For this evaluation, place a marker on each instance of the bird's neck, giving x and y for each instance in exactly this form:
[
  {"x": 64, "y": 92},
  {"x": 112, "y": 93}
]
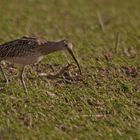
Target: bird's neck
[{"x": 49, "y": 47}]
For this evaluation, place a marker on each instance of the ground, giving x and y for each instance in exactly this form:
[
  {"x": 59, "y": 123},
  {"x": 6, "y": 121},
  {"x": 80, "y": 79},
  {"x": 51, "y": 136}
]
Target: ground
[{"x": 105, "y": 104}]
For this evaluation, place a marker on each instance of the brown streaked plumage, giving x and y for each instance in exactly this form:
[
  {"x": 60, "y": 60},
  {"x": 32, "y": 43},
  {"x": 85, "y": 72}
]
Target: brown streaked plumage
[{"x": 29, "y": 50}]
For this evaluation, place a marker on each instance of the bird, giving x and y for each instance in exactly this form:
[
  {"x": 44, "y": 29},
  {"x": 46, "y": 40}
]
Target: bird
[{"x": 29, "y": 50}]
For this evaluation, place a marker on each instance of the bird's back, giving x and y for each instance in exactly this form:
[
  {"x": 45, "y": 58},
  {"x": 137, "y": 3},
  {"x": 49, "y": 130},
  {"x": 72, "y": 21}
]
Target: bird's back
[{"x": 19, "y": 47}]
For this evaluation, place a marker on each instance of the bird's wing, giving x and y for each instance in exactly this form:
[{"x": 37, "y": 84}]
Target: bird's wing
[{"x": 19, "y": 47}]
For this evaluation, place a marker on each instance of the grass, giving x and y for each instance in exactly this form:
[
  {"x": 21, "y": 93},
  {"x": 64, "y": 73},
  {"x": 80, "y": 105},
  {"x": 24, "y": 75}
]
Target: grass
[{"x": 105, "y": 105}]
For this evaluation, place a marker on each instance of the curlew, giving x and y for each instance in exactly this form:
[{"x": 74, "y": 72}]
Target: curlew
[{"x": 29, "y": 50}]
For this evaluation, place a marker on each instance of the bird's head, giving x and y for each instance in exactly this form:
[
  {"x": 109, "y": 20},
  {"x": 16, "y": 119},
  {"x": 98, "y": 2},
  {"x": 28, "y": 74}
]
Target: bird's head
[{"x": 68, "y": 46}]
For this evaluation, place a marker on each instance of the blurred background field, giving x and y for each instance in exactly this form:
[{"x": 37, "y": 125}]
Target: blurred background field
[{"x": 106, "y": 104}]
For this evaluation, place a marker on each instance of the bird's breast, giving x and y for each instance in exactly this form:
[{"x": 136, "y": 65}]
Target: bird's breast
[{"x": 26, "y": 60}]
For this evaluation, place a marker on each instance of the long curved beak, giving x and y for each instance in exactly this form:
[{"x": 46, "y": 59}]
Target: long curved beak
[{"x": 72, "y": 54}]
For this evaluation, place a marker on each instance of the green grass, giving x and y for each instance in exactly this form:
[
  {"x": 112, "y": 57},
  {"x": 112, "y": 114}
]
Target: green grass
[{"x": 106, "y": 104}]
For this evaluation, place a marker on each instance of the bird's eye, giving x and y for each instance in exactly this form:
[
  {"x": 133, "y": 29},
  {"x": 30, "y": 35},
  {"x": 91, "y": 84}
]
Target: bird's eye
[{"x": 66, "y": 45}]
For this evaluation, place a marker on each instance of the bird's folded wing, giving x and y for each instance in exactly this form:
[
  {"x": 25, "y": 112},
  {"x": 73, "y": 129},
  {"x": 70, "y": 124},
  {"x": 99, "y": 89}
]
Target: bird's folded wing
[{"x": 18, "y": 48}]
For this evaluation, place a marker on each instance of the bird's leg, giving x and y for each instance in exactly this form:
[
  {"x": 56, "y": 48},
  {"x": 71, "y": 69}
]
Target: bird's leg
[
  {"x": 4, "y": 75},
  {"x": 22, "y": 79}
]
